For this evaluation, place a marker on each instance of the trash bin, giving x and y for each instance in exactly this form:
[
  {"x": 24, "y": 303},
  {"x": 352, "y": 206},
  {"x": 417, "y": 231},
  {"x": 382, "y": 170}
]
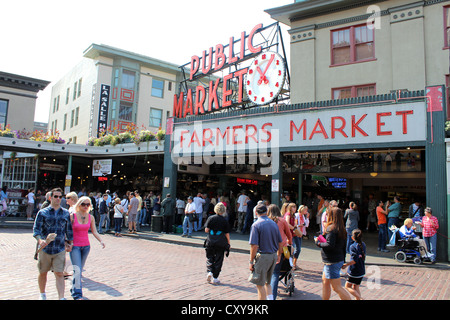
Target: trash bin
[{"x": 157, "y": 223}]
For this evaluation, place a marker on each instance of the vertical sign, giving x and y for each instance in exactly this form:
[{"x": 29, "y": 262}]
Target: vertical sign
[{"x": 103, "y": 111}]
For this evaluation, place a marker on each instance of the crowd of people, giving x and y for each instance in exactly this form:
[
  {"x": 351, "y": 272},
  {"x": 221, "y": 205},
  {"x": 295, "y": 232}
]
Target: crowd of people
[{"x": 273, "y": 231}]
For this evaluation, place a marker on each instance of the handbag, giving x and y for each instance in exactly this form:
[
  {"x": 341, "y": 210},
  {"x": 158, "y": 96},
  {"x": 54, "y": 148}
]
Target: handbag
[
  {"x": 193, "y": 217},
  {"x": 286, "y": 252},
  {"x": 297, "y": 232}
]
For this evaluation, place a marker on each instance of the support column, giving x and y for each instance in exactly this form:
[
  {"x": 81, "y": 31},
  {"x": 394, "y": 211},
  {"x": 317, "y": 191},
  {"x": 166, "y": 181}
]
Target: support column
[
  {"x": 170, "y": 171},
  {"x": 300, "y": 189},
  {"x": 277, "y": 176}
]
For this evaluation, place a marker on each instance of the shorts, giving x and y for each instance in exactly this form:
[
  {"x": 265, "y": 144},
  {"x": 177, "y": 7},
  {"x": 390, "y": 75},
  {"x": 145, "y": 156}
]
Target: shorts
[
  {"x": 55, "y": 262},
  {"x": 263, "y": 268},
  {"x": 354, "y": 280},
  {"x": 132, "y": 217},
  {"x": 332, "y": 271}
]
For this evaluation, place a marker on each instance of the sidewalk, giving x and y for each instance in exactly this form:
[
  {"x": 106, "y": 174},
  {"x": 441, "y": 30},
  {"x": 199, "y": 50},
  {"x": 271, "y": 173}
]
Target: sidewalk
[{"x": 239, "y": 243}]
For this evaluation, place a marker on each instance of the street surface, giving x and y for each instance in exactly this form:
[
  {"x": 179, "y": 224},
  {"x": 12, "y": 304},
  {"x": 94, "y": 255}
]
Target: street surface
[{"x": 133, "y": 268}]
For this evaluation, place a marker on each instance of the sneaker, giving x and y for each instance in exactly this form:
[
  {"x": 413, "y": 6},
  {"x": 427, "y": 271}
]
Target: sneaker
[
  {"x": 42, "y": 296},
  {"x": 384, "y": 250},
  {"x": 184, "y": 235},
  {"x": 215, "y": 281},
  {"x": 209, "y": 277}
]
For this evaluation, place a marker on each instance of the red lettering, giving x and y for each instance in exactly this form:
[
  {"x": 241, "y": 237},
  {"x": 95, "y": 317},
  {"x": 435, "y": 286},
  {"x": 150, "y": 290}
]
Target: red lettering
[
  {"x": 355, "y": 126},
  {"x": 235, "y": 134},
  {"x": 241, "y": 54},
  {"x": 269, "y": 134},
  {"x": 178, "y": 105},
  {"x": 380, "y": 124},
  {"x": 207, "y": 138},
  {"x": 250, "y": 40},
  {"x": 239, "y": 74},
  {"x": 340, "y": 129},
  {"x": 204, "y": 69},
  {"x": 188, "y": 104},
  {"x": 226, "y": 92},
  {"x": 322, "y": 130},
  {"x": 182, "y": 138},
  {"x": 247, "y": 135},
  {"x": 404, "y": 115},
  {"x": 194, "y": 66},
  {"x": 220, "y": 135},
  {"x": 213, "y": 95},
  {"x": 200, "y": 100},
  {"x": 194, "y": 138},
  {"x": 297, "y": 130},
  {"x": 231, "y": 57},
  {"x": 219, "y": 55}
]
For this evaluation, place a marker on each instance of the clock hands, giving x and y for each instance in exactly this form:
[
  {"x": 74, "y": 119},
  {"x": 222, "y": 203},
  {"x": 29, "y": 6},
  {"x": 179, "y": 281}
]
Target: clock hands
[{"x": 263, "y": 74}]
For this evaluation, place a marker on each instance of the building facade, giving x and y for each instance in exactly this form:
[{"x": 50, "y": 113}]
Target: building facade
[{"x": 139, "y": 90}]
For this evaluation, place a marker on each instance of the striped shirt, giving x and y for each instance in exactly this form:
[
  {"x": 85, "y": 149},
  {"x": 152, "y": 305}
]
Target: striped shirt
[{"x": 50, "y": 221}]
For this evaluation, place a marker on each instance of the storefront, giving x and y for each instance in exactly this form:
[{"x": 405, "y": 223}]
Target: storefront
[{"x": 385, "y": 145}]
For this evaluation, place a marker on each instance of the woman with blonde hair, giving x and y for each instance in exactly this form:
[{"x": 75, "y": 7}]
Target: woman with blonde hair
[
  {"x": 82, "y": 221},
  {"x": 71, "y": 199},
  {"x": 289, "y": 216}
]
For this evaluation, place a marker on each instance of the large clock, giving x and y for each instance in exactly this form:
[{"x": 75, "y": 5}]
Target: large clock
[{"x": 265, "y": 78}]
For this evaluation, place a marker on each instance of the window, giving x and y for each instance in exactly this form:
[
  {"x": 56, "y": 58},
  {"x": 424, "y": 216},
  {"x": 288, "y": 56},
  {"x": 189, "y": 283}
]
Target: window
[
  {"x": 447, "y": 26},
  {"x": 65, "y": 122},
  {"x": 155, "y": 117},
  {"x": 125, "y": 111},
  {"x": 354, "y": 91},
  {"x": 79, "y": 87},
  {"x": 352, "y": 44},
  {"x": 67, "y": 95},
  {"x": 157, "y": 88},
  {"x": 3, "y": 113},
  {"x": 72, "y": 118},
  {"x": 128, "y": 79},
  {"x": 75, "y": 90},
  {"x": 77, "y": 113}
]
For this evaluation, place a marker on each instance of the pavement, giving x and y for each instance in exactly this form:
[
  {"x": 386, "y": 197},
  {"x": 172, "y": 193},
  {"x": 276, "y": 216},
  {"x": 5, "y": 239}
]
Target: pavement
[{"x": 239, "y": 243}]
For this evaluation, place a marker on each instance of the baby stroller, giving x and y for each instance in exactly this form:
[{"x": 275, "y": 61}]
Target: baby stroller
[
  {"x": 409, "y": 249},
  {"x": 286, "y": 277}
]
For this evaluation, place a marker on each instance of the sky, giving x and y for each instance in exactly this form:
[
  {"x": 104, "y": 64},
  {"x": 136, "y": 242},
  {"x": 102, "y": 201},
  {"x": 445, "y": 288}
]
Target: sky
[{"x": 45, "y": 39}]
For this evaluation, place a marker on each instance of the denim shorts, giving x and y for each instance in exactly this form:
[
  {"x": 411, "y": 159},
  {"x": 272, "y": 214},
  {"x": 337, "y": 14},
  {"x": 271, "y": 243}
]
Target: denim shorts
[{"x": 332, "y": 271}]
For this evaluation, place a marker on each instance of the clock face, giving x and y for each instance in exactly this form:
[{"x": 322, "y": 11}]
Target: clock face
[{"x": 265, "y": 78}]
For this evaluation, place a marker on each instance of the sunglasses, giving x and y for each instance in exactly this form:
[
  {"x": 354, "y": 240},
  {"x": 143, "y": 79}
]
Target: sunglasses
[
  {"x": 85, "y": 204},
  {"x": 58, "y": 197}
]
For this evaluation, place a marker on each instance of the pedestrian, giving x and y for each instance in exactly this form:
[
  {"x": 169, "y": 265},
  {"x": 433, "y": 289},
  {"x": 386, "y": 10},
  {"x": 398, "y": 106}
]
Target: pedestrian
[
  {"x": 47, "y": 201},
  {"x": 323, "y": 215},
  {"x": 216, "y": 243},
  {"x": 333, "y": 244},
  {"x": 168, "y": 213},
  {"x": 94, "y": 207},
  {"x": 118, "y": 216},
  {"x": 352, "y": 217},
  {"x": 356, "y": 265},
  {"x": 82, "y": 222},
  {"x": 394, "y": 211},
  {"x": 242, "y": 210},
  {"x": 140, "y": 215},
  {"x": 265, "y": 248},
  {"x": 188, "y": 221},
  {"x": 132, "y": 213},
  {"x": 124, "y": 203},
  {"x": 199, "y": 202},
  {"x": 274, "y": 213},
  {"x": 31, "y": 198},
  {"x": 103, "y": 211},
  {"x": 71, "y": 199},
  {"x": 3, "y": 198},
  {"x": 53, "y": 219},
  {"x": 302, "y": 219},
  {"x": 430, "y": 225},
  {"x": 382, "y": 227},
  {"x": 289, "y": 216},
  {"x": 180, "y": 204}
]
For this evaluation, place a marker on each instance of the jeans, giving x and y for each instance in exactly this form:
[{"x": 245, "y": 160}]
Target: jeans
[
  {"x": 198, "y": 223},
  {"x": 102, "y": 219},
  {"x": 78, "y": 257},
  {"x": 297, "y": 244},
  {"x": 391, "y": 221},
  {"x": 382, "y": 236},
  {"x": 349, "y": 240},
  {"x": 187, "y": 224},
  {"x": 431, "y": 246},
  {"x": 118, "y": 225},
  {"x": 143, "y": 217},
  {"x": 275, "y": 277}
]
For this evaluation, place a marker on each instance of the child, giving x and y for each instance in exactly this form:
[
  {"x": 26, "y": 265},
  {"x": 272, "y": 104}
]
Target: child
[{"x": 356, "y": 266}]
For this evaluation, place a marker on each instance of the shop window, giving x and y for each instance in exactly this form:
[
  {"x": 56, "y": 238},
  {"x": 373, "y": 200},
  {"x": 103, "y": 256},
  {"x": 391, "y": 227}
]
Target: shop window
[
  {"x": 3, "y": 112},
  {"x": 125, "y": 111},
  {"x": 128, "y": 79},
  {"x": 155, "y": 117},
  {"x": 157, "y": 88},
  {"x": 353, "y": 92},
  {"x": 353, "y": 44}
]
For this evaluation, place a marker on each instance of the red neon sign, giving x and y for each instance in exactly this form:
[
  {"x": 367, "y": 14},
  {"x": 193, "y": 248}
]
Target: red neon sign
[{"x": 247, "y": 181}]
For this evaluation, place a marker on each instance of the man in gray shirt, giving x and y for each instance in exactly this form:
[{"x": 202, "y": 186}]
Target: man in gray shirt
[
  {"x": 265, "y": 249},
  {"x": 132, "y": 213}
]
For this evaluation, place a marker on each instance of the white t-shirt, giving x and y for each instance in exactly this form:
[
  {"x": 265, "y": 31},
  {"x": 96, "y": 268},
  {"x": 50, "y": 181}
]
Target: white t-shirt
[
  {"x": 199, "y": 204},
  {"x": 190, "y": 207},
  {"x": 117, "y": 209},
  {"x": 242, "y": 201},
  {"x": 30, "y": 197}
]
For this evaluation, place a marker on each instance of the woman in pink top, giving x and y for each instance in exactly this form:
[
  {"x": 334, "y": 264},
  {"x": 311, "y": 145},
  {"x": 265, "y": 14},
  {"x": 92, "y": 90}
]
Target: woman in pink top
[{"x": 82, "y": 221}]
